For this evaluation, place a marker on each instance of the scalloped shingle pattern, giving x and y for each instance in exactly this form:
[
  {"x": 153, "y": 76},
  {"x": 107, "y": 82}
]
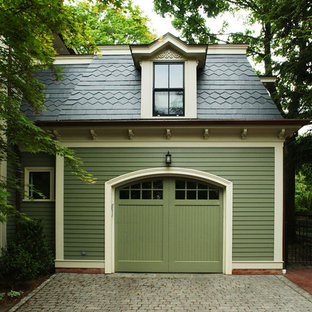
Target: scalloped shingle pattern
[
  {"x": 110, "y": 88},
  {"x": 56, "y": 91},
  {"x": 228, "y": 88}
]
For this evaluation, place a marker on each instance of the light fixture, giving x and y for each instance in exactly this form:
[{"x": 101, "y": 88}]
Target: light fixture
[{"x": 168, "y": 159}]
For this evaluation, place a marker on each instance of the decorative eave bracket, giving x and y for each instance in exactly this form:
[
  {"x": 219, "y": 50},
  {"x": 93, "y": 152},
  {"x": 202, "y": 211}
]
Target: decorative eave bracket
[
  {"x": 206, "y": 134},
  {"x": 282, "y": 134},
  {"x": 244, "y": 133},
  {"x": 168, "y": 134},
  {"x": 56, "y": 134},
  {"x": 93, "y": 134},
  {"x": 130, "y": 134}
]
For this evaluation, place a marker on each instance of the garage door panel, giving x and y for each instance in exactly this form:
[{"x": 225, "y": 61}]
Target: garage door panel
[
  {"x": 196, "y": 235},
  {"x": 141, "y": 236}
]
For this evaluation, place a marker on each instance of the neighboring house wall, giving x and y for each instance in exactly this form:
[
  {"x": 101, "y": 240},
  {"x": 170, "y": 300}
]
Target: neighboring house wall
[
  {"x": 251, "y": 169},
  {"x": 44, "y": 210}
]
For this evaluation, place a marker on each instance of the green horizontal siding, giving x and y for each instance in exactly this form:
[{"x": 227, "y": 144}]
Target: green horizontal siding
[
  {"x": 250, "y": 169},
  {"x": 35, "y": 209}
]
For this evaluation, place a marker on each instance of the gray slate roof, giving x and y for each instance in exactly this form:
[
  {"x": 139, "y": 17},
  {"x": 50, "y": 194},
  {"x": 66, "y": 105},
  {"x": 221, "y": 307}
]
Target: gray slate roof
[
  {"x": 228, "y": 88},
  {"x": 109, "y": 88}
]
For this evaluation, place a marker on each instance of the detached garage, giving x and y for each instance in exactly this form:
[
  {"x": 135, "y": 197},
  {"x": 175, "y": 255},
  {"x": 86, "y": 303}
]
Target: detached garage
[{"x": 187, "y": 150}]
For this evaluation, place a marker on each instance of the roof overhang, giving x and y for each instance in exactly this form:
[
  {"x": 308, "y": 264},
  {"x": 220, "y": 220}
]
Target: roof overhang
[
  {"x": 188, "y": 130},
  {"x": 293, "y": 123},
  {"x": 148, "y": 51}
]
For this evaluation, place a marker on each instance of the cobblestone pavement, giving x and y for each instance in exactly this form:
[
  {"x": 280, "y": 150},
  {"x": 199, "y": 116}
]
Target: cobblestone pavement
[{"x": 175, "y": 292}]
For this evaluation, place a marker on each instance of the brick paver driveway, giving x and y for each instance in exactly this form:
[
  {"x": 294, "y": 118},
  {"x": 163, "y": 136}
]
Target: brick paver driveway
[{"x": 174, "y": 292}]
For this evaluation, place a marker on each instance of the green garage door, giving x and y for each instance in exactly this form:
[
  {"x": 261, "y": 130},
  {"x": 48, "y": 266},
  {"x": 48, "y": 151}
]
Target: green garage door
[{"x": 168, "y": 225}]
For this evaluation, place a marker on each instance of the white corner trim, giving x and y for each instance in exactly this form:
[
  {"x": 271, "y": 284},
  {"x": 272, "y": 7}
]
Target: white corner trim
[
  {"x": 111, "y": 185},
  {"x": 146, "y": 89},
  {"x": 27, "y": 171},
  {"x": 273, "y": 265},
  {"x": 190, "y": 89},
  {"x": 59, "y": 207},
  {"x": 81, "y": 264},
  {"x": 278, "y": 203}
]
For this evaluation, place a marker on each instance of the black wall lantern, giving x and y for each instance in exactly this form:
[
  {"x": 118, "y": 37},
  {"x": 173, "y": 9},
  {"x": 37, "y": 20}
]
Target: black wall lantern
[{"x": 168, "y": 159}]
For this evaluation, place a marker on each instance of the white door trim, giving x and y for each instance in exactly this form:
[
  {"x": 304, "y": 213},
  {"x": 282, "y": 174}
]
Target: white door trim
[{"x": 111, "y": 185}]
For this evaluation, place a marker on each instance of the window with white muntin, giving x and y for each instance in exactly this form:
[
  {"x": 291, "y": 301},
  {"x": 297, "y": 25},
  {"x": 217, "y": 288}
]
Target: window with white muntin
[
  {"x": 39, "y": 183},
  {"x": 172, "y": 94},
  {"x": 168, "y": 89}
]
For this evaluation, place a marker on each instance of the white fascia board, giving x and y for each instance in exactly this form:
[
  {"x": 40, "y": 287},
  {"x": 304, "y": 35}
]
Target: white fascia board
[
  {"x": 227, "y": 49},
  {"x": 73, "y": 59},
  {"x": 114, "y": 50},
  {"x": 140, "y": 52},
  {"x": 265, "y": 79},
  {"x": 164, "y": 41}
]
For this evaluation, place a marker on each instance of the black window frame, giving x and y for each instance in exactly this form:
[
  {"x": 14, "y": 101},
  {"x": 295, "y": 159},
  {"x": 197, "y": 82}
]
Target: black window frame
[
  {"x": 32, "y": 191},
  {"x": 168, "y": 89}
]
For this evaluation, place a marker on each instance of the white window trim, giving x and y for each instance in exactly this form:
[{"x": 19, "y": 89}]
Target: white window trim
[
  {"x": 190, "y": 89},
  {"x": 27, "y": 170}
]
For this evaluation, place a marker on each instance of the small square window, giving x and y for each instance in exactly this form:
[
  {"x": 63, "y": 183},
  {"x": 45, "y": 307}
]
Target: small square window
[{"x": 39, "y": 184}]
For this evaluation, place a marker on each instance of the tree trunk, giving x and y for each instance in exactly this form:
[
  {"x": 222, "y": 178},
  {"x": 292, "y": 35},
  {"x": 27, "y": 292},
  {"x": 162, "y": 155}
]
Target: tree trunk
[{"x": 267, "y": 49}]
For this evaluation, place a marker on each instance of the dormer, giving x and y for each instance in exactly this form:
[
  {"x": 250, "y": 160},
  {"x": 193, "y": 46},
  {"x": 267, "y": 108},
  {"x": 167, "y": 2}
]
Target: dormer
[{"x": 168, "y": 77}]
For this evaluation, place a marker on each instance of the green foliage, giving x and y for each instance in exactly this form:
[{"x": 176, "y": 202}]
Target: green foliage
[
  {"x": 27, "y": 256},
  {"x": 28, "y": 29},
  {"x": 14, "y": 293},
  {"x": 303, "y": 195},
  {"x": 111, "y": 25}
]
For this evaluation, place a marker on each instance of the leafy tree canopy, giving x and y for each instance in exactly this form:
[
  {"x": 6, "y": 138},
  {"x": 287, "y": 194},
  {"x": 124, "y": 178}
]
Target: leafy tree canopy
[
  {"x": 27, "y": 29},
  {"x": 114, "y": 25}
]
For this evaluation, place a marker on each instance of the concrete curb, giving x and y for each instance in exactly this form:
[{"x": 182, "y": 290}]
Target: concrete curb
[
  {"x": 295, "y": 287},
  {"x": 26, "y": 298}
]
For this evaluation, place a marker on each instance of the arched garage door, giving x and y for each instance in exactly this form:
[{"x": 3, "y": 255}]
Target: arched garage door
[{"x": 168, "y": 225}]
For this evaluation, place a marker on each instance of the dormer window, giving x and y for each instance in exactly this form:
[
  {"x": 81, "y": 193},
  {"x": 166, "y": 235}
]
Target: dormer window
[
  {"x": 168, "y": 91},
  {"x": 169, "y": 77}
]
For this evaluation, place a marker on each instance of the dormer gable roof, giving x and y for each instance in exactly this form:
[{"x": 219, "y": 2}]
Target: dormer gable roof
[{"x": 168, "y": 41}]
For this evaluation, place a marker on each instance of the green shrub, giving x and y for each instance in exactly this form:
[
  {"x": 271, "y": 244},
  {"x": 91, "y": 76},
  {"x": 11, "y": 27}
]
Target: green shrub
[
  {"x": 27, "y": 256},
  {"x": 17, "y": 264},
  {"x": 31, "y": 236}
]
